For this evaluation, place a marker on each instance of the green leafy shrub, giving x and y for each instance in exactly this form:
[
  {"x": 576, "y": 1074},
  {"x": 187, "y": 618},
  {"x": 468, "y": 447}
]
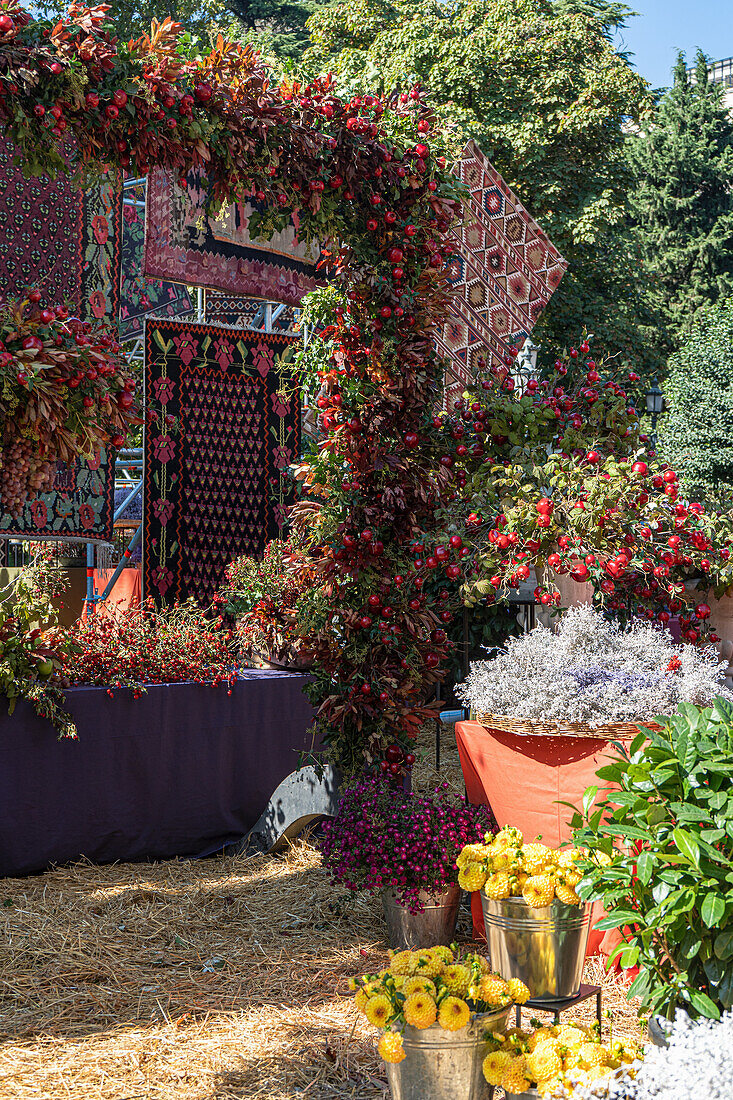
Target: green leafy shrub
[{"x": 669, "y": 834}]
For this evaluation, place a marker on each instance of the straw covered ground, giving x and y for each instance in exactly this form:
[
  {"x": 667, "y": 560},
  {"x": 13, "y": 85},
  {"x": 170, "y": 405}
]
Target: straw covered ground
[{"x": 216, "y": 979}]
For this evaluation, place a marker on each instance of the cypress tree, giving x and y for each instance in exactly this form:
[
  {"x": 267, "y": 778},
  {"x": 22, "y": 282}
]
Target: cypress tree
[{"x": 683, "y": 200}]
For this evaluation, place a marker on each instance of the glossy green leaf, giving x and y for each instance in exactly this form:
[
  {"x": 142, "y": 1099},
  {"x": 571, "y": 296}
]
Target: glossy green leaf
[
  {"x": 702, "y": 1004},
  {"x": 645, "y": 865},
  {"x": 724, "y": 944},
  {"x": 687, "y": 845},
  {"x": 712, "y": 909}
]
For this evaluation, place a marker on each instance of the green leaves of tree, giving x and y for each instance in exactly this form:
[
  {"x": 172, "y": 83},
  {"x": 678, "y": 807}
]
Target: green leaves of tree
[{"x": 542, "y": 90}]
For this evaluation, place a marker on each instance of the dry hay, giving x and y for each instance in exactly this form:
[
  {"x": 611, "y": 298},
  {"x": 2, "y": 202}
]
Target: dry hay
[
  {"x": 189, "y": 979},
  {"x": 216, "y": 979}
]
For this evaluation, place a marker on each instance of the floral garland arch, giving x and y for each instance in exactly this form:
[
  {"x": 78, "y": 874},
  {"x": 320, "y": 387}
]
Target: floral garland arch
[
  {"x": 388, "y": 487},
  {"x": 368, "y": 178}
]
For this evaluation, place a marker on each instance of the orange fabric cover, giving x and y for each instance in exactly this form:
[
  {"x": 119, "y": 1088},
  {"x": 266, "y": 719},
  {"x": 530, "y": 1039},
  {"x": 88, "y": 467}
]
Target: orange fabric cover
[
  {"x": 127, "y": 591},
  {"x": 522, "y": 779}
]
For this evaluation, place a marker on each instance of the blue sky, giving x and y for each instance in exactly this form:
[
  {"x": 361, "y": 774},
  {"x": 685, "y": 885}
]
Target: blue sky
[{"x": 664, "y": 26}]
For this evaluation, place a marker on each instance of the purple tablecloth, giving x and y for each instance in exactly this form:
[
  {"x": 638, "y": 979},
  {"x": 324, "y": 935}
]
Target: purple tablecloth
[{"x": 181, "y": 771}]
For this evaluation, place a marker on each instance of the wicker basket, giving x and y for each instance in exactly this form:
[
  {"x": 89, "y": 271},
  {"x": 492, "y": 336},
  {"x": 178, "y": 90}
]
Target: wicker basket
[{"x": 533, "y": 727}]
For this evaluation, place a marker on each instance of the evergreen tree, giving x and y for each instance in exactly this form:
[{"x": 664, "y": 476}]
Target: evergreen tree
[
  {"x": 696, "y": 434},
  {"x": 682, "y": 202}
]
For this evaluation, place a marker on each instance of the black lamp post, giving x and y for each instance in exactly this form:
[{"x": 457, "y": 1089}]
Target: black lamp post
[{"x": 654, "y": 406}]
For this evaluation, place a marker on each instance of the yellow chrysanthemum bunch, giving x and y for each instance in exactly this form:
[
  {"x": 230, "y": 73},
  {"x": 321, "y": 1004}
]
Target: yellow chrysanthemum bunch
[
  {"x": 550, "y": 1057},
  {"x": 506, "y": 867},
  {"x": 433, "y": 985}
]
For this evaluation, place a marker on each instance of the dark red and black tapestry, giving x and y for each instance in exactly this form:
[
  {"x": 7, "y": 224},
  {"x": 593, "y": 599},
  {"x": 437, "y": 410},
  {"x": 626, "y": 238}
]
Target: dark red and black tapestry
[
  {"x": 226, "y": 427},
  {"x": 60, "y": 239},
  {"x": 184, "y": 244}
]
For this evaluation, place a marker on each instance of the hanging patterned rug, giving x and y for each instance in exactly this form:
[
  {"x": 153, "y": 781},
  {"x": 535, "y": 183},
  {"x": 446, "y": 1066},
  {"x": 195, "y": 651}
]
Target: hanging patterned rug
[
  {"x": 183, "y": 244},
  {"x": 65, "y": 241},
  {"x": 226, "y": 426},
  {"x": 504, "y": 274},
  {"x": 79, "y": 506},
  {"x": 141, "y": 296}
]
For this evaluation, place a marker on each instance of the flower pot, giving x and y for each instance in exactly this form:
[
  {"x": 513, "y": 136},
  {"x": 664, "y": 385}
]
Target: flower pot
[
  {"x": 435, "y": 924},
  {"x": 573, "y": 593},
  {"x": 544, "y": 947},
  {"x": 445, "y": 1065}
]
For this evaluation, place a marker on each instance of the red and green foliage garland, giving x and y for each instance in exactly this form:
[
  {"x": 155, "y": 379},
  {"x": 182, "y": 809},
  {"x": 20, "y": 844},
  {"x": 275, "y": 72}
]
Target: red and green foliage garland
[
  {"x": 369, "y": 182},
  {"x": 136, "y": 647}
]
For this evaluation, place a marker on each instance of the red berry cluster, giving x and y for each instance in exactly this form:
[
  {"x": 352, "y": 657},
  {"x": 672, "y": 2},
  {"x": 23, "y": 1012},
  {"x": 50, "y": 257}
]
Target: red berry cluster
[
  {"x": 140, "y": 646},
  {"x": 588, "y": 506},
  {"x": 397, "y": 762}
]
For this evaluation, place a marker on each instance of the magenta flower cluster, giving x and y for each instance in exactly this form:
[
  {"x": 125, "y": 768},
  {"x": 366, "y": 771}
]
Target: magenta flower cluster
[{"x": 382, "y": 837}]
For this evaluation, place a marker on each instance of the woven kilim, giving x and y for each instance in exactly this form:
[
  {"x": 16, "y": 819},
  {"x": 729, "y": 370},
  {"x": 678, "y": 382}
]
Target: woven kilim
[
  {"x": 64, "y": 241},
  {"x": 100, "y": 251},
  {"x": 79, "y": 506},
  {"x": 503, "y": 276},
  {"x": 226, "y": 428},
  {"x": 228, "y": 309},
  {"x": 183, "y": 244},
  {"x": 141, "y": 296}
]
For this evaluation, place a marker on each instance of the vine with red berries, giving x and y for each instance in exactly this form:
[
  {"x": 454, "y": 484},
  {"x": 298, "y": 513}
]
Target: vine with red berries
[
  {"x": 65, "y": 390},
  {"x": 571, "y": 488},
  {"x": 369, "y": 182}
]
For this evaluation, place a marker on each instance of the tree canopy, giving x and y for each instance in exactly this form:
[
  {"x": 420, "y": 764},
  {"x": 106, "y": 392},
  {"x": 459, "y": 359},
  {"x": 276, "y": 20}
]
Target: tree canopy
[
  {"x": 682, "y": 201},
  {"x": 546, "y": 96},
  {"x": 276, "y": 27}
]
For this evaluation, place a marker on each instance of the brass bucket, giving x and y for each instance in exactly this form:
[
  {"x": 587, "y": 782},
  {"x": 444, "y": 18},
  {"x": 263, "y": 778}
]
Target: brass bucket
[
  {"x": 445, "y": 1065},
  {"x": 434, "y": 925},
  {"x": 544, "y": 947}
]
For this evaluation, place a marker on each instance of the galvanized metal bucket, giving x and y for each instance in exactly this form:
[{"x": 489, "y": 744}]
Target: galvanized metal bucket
[
  {"x": 528, "y": 1094},
  {"x": 435, "y": 924},
  {"x": 544, "y": 947},
  {"x": 445, "y": 1065}
]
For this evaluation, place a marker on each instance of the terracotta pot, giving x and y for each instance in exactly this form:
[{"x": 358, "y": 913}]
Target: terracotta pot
[{"x": 572, "y": 593}]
